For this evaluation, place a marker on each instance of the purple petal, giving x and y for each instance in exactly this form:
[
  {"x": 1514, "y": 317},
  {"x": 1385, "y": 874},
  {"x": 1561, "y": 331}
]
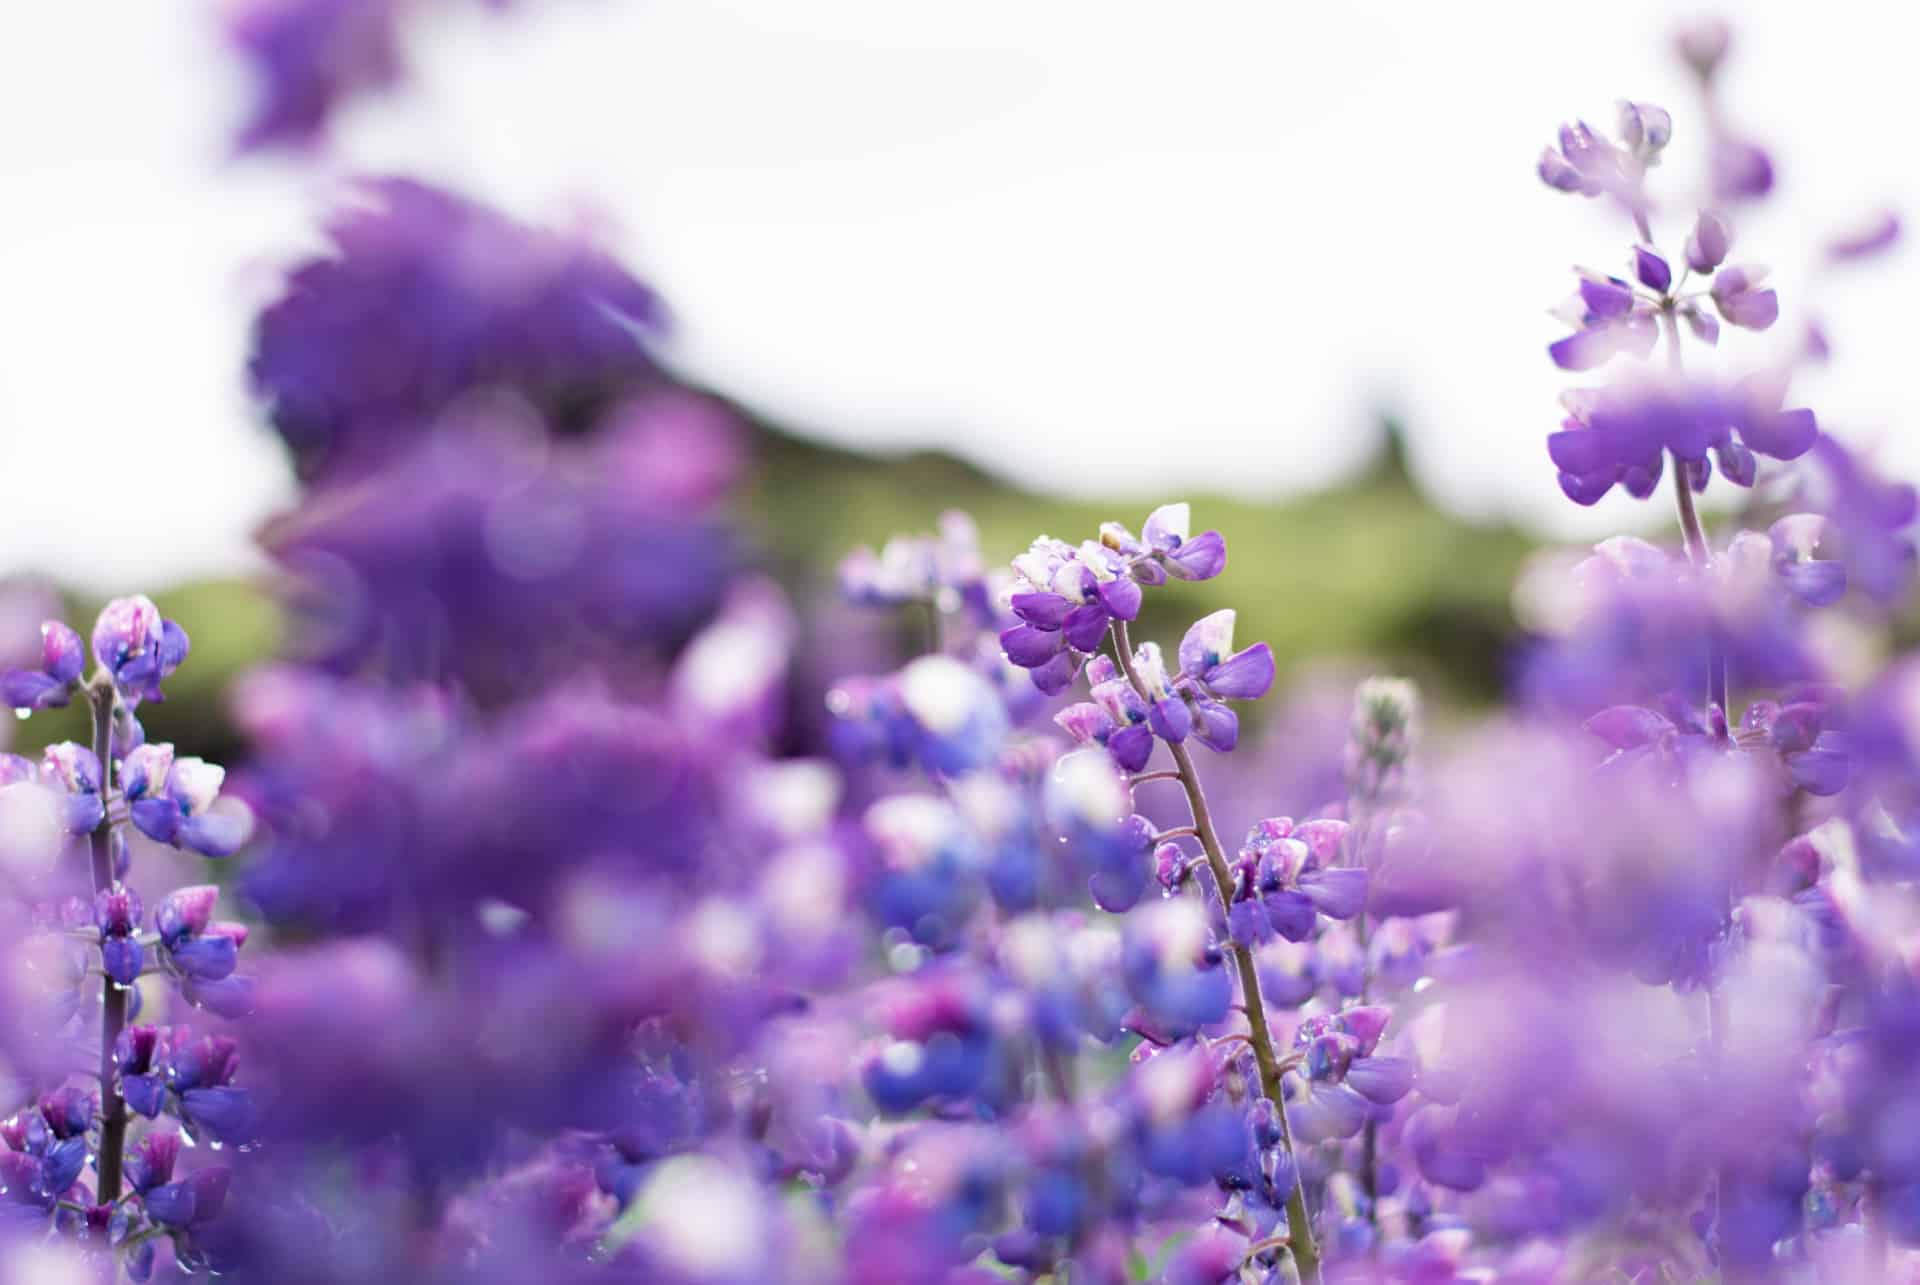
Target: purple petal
[
  {"x": 1323, "y": 838},
  {"x": 1784, "y": 435},
  {"x": 1821, "y": 770},
  {"x": 1215, "y": 726},
  {"x": 1131, "y": 746},
  {"x": 1291, "y": 914},
  {"x": 156, "y": 817},
  {"x": 214, "y": 834},
  {"x": 1338, "y": 893},
  {"x": 1046, "y": 610},
  {"x": 1652, "y": 270},
  {"x": 1382, "y": 1080},
  {"x": 1201, "y": 558},
  {"x": 226, "y": 1113},
  {"x": 206, "y": 959},
  {"x": 121, "y": 957},
  {"x": 1057, "y": 674},
  {"x": 1122, "y": 597},
  {"x": 1170, "y": 719},
  {"x": 1246, "y": 675},
  {"x": 1030, "y": 647},
  {"x": 1752, "y": 309},
  {"x": 1709, "y": 242},
  {"x": 1086, "y": 626},
  {"x": 31, "y": 689},
  {"x": 1869, "y": 240}
]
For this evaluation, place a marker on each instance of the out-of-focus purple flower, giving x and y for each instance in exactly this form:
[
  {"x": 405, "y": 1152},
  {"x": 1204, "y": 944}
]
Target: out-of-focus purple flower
[
  {"x": 1586, "y": 162},
  {"x": 1172, "y": 967},
  {"x": 945, "y": 570},
  {"x": 1873, "y": 237},
  {"x": 308, "y": 56},
  {"x": 1742, "y": 170},
  {"x": 140, "y": 649},
  {"x": 1869, "y": 520},
  {"x": 1741, "y": 301},
  {"x": 62, "y": 656},
  {"x": 429, "y": 296},
  {"x": 1621, "y": 435},
  {"x": 1708, "y": 242}
]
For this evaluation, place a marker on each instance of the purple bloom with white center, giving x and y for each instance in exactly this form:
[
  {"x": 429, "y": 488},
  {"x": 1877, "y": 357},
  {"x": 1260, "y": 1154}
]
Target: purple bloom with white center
[
  {"x": 1214, "y": 673},
  {"x": 133, "y": 643},
  {"x": 173, "y": 801}
]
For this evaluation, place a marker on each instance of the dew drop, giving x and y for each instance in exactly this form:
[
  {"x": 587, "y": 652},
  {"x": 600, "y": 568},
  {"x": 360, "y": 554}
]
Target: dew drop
[{"x": 216, "y": 1144}]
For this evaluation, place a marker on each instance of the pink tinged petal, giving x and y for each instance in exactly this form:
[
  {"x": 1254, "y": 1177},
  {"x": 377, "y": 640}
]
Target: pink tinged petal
[
  {"x": 145, "y": 769},
  {"x": 1208, "y": 641},
  {"x": 1085, "y": 722},
  {"x": 1121, "y": 596},
  {"x": 1245, "y": 676},
  {"x": 1042, "y": 610},
  {"x": 1381, "y": 1080},
  {"x": 1868, "y": 240},
  {"x": 1201, "y": 558},
  {"x": 1323, "y": 837},
  {"x": 1366, "y": 1024},
  {"x": 1029, "y": 647},
  {"x": 62, "y": 654},
  {"x": 1651, "y": 269},
  {"x": 194, "y": 784},
  {"x": 1627, "y": 727}
]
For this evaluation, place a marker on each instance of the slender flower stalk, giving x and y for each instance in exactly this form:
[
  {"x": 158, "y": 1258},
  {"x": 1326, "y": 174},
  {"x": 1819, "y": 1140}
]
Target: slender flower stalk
[
  {"x": 1306, "y": 1254},
  {"x": 101, "y": 696}
]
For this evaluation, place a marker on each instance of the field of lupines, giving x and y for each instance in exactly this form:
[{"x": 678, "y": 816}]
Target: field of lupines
[{"x": 558, "y": 923}]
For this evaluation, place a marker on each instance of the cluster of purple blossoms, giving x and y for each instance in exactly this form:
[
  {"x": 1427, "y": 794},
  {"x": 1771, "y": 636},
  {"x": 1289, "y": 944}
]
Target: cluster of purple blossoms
[{"x": 571, "y": 957}]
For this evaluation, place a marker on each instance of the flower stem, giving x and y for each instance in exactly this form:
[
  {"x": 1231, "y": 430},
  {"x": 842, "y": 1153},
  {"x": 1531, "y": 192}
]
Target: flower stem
[
  {"x": 1695, "y": 535},
  {"x": 1306, "y": 1254},
  {"x": 113, "y": 1108}
]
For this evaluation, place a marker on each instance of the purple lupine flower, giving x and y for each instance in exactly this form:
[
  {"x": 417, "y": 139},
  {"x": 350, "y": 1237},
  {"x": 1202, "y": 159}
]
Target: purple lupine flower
[
  {"x": 62, "y": 656},
  {"x": 463, "y": 299},
  {"x": 1609, "y": 319},
  {"x": 173, "y": 800},
  {"x": 151, "y": 1163},
  {"x": 308, "y": 56},
  {"x": 75, "y": 769},
  {"x": 946, "y": 570},
  {"x": 1586, "y": 162},
  {"x": 116, "y": 912},
  {"x": 1651, "y": 270},
  {"x": 133, "y": 643},
  {"x": 1740, "y": 300},
  {"x": 1212, "y": 673},
  {"x": 1621, "y": 435},
  {"x": 1868, "y": 518},
  {"x": 1645, "y": 130},
  {"x": 1172, "y": 967},
  {"x": 198, "y": 947}
]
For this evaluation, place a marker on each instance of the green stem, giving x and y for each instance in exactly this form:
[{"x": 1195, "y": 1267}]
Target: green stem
[{"x": 1306, "y": 1254}]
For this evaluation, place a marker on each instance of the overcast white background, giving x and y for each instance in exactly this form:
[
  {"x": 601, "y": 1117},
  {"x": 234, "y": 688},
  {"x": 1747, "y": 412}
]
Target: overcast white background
[{"x": 1096, "y": 245}]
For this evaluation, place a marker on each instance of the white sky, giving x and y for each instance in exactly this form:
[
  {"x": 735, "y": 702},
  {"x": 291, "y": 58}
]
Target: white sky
[{"x": 1097, "y": 244}]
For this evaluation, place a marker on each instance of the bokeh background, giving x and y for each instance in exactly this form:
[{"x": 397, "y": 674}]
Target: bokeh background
[{"x": 1050, "y": 263}]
